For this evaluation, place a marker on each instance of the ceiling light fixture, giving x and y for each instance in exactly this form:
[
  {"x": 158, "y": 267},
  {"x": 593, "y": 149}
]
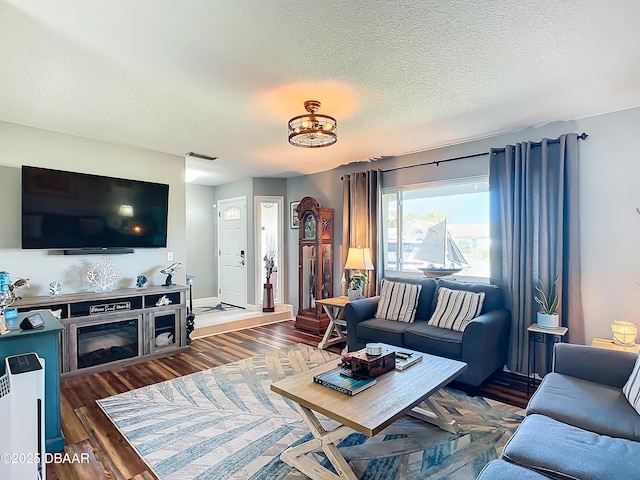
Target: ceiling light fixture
[{"x": 312, "y": 130}]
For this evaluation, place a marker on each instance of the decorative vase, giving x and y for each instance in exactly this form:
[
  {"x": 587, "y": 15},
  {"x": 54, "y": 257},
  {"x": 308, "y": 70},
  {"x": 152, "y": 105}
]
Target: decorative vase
[
  {"x": 354, "y": 294},
  {"x": 267, "y": 298},
  {"x": 546, "y": 320}
]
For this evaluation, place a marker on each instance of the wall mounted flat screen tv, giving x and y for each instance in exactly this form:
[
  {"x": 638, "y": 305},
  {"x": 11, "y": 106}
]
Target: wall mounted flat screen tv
[{"x": 67, "y": 210}]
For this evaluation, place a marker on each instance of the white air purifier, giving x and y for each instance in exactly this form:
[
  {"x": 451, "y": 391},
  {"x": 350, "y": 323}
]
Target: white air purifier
[{"x": 22, "y": 443}]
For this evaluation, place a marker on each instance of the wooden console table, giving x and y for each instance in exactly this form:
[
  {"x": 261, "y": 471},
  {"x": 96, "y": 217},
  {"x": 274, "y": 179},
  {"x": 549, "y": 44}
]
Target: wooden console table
[
  {"x": 103, "y": 330},
  {"x": 611, "y": 345}
]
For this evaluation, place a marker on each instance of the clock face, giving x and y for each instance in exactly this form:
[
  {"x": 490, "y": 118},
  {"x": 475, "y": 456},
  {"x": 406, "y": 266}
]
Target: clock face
[{"x": 309, "y": 227}]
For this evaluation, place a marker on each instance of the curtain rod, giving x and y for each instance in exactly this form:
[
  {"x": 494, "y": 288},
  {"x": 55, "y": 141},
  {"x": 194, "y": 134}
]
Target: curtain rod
[
  {"x": 437, "y": 162},
  {"x": 582, "y": 136}
]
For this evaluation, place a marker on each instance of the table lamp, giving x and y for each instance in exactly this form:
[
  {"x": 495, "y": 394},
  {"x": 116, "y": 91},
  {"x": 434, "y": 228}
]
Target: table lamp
[
  {"x": 624, "y": 333},
  {"x": 359, "y": 259}
]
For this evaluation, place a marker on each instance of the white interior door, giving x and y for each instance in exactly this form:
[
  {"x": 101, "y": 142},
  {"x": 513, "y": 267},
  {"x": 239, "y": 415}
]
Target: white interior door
[{"x": 232, "y": 245}]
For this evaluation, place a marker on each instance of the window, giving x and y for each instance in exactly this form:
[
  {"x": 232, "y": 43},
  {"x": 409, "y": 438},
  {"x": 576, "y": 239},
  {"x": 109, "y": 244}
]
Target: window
[
  {"x": 437, "y": 225},
  {"x": 232, "y": 213}
]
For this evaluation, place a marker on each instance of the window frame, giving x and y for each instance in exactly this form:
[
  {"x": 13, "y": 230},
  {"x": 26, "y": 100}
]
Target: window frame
[{"x": 397, "y": 190}]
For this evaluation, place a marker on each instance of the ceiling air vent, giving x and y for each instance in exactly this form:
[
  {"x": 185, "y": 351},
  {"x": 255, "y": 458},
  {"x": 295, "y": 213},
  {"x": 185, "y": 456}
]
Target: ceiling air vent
[{"x": 199, "y": 155}]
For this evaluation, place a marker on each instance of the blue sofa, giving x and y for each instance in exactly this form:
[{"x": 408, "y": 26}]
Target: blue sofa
[
  {"x": 578, "y": 424},
  {"x": 482, "y": 346}
]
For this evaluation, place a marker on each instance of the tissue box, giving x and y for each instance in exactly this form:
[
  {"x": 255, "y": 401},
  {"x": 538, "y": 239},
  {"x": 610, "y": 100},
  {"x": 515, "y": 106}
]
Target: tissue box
[{"x": 373, "y": 365}]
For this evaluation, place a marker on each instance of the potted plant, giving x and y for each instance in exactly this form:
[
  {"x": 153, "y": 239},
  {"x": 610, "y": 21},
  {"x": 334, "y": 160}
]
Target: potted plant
[
  {"x": 548, "y": 316},
  {"x": 354, "y": 285},
  {"x": 270, "y": 267}
]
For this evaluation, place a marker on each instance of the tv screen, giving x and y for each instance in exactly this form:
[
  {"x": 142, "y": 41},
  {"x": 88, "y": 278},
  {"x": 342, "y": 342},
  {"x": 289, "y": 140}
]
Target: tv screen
[{"x": 66, "y": 210}]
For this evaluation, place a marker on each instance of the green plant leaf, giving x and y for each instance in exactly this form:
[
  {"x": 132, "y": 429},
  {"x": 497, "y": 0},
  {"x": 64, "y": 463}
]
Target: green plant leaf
[
  {"x": 549, "y": 302},
  {"x": 554, "y": 305}
]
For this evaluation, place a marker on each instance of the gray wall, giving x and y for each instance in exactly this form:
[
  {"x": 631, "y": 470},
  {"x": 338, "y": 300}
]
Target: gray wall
[
  {"x": 270, "y": 186},
  {"x": 610, "y": 225},
  {"x": 20, "y": 145},
  {"x": 201, "y": 240}
]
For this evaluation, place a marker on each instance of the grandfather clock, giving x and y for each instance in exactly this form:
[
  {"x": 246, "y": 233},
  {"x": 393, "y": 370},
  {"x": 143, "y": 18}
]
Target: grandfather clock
[{"x": 315, "y": 264}]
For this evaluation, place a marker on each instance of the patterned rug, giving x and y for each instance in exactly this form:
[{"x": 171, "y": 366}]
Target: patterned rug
[
  {"x": 225, "y": 423},
  {"x": 220, "y": 307}
]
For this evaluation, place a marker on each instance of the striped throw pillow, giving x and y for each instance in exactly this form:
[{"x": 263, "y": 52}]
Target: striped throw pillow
[
  {"x": 456, "y": 308},
  {"x": 398, "y": 301},
  {"x": 631, "y": 389}
]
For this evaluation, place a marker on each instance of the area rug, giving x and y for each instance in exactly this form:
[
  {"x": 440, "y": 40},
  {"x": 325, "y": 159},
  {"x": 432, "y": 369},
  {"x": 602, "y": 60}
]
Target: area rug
[
  {"x": 220, "y": 307},
  {"x": 225, "y": 423}
]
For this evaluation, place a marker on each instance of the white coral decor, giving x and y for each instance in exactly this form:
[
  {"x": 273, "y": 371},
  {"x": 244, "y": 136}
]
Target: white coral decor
[
  {"x": 102, "y": 275},
  {"x": 55, "y": 288}
]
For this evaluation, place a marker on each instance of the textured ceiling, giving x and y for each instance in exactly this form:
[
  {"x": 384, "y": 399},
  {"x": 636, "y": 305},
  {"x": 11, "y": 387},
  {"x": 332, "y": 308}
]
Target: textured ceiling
[{"x": 222, "y": 78}]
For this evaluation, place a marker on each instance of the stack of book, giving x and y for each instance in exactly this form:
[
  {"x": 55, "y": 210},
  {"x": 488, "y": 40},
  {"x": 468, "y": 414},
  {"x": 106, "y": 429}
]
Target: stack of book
[{"x": 344, "y": 381}]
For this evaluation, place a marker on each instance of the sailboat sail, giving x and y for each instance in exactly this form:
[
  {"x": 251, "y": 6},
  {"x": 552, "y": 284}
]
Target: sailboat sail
[
  {"x": 433, "y": 246},
  {"x": 454, "y": 252},
  {"x": 441, "y": 253}
]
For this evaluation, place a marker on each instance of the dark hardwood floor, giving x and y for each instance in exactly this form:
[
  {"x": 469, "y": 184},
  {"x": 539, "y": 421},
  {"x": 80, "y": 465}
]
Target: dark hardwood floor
[{"x": 88, "y": 431}]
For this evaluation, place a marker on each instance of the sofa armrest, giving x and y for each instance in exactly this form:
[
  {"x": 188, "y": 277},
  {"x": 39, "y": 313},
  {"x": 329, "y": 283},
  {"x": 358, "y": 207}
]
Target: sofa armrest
[
  {"x": 354, "y": 313},
  {"x": 485, "y": 344},
  {"x": 607, "y": 367}
]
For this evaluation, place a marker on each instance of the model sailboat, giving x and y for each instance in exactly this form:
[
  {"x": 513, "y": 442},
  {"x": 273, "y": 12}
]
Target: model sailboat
[{"x": 440, "y": 252}]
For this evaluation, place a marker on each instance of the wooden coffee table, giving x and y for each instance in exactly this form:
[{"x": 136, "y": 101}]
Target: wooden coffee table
[{"x": 396, "y": 393}]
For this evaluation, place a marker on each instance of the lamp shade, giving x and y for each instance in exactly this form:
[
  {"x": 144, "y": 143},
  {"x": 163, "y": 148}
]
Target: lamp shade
[
  {"x": 359, "y": 259},
  {"x": 624, "y": 333},
  {"x": 126, "y": 211}
]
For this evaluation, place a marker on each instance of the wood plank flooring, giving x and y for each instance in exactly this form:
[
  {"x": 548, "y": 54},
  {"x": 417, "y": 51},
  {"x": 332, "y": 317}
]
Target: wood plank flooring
[{"x": 88, "y": 431}]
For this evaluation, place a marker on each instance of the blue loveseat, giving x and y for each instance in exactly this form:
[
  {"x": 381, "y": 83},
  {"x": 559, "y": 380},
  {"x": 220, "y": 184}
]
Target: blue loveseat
[
  {"x": 482, "y": 346},
  {"x": 578, "y": 425}
]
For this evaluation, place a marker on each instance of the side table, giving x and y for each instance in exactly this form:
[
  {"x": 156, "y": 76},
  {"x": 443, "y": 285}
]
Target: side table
[
  {"x": 45, "y": 342},
  {"x": 538, "y": 334},
  {"x": 333, "y": 308},
  {"x": 611, "y": 345}
]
